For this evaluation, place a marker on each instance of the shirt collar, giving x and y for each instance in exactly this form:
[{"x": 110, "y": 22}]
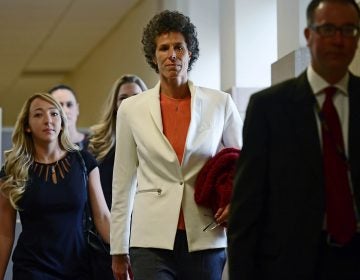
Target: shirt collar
[{"x": 318, "y": 84}]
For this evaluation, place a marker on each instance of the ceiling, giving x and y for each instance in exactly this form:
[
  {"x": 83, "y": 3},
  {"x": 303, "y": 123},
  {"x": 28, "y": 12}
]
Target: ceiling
[{"x": 43, "y": 40}]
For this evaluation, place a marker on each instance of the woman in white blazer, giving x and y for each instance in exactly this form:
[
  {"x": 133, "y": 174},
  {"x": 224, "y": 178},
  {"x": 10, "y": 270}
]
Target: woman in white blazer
[{"x": 163, "y": 139}]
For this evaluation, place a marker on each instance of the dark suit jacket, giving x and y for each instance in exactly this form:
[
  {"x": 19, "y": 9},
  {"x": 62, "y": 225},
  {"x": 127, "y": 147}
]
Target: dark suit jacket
[{"x": 278, "y": 205}]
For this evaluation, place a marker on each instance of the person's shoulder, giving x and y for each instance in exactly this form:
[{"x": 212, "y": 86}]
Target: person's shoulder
[
  {"x": 198, "y": 88},
  {"x": 88, "y": 158},
  {"x": 354, "y": 79},
  {"x": 281, "y": 90},
  {"x": 85, "y": 153},
  {"x": 353, "y": 87},
  {"x": 284, "y": 86},
  {"x": 210, "y": 93},
  {"x": 281, "y": 94}
]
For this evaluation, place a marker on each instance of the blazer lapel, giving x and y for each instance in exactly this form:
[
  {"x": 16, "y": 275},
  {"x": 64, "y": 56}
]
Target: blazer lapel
[
  {"x": 154, "y": 107},
  {"x": 155, "y": 112},
  {"x": 196, "y": 113}
]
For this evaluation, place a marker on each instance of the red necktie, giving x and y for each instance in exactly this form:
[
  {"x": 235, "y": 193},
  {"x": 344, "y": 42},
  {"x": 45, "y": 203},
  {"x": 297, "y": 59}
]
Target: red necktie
[{"x": 341, "y": 221}]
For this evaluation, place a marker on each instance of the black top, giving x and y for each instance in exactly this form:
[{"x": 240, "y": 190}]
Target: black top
[
  {"x": 52, "y": 243},
  {"x": 106, "y": 167}
]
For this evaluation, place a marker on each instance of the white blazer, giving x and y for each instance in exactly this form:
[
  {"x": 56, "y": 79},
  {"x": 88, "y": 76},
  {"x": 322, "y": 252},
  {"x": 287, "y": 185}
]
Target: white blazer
[{"x": 152, "y": 204}]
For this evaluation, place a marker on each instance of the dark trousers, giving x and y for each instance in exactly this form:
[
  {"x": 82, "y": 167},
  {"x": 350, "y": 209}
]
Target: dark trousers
[
  {"x": 179, "y": 264},
  {"x": 339, "y": 262}
]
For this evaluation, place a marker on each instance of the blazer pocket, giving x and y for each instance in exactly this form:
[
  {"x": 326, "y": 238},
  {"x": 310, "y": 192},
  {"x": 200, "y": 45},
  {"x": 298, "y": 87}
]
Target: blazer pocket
[{"x": 157, "y": 191}]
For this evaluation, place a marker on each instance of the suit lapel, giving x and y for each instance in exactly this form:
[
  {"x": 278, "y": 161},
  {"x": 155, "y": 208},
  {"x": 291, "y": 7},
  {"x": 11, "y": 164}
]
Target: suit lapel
[
  {"x": 354, "y": 135},
  {"x": 354, "y": 118},
  {"x": 305, "y": 124}
]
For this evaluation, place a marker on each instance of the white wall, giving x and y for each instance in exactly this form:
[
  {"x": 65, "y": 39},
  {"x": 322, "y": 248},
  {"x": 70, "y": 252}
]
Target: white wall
[
  {"x": 256, "y": 43},
  {"x": 291, "y": 21},
  {"x": 248, "y": 42}
]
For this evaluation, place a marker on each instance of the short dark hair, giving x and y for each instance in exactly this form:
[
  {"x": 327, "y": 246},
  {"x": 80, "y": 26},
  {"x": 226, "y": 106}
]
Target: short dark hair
[
  {"x": 165, "y": 22},
  {"x": 62, "y": 86},
  {"x": 315, "y": 3}
]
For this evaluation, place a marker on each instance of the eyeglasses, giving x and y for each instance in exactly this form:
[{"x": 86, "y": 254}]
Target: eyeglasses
[{"x": 329, "y": 30}]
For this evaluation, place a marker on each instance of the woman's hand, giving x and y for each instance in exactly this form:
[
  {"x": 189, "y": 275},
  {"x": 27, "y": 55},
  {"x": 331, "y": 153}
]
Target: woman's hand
[
  {"x": 222, "y": 214},
  {"x": 121, "y": 267}
]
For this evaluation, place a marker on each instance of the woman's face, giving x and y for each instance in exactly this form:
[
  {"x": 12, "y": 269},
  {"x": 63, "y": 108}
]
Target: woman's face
[
  {"x": 127, "y": 90},
  {"x": 69, "y": 104},
  {"x": 172, "y": 56},
  {"x": 44, "y": 121}
]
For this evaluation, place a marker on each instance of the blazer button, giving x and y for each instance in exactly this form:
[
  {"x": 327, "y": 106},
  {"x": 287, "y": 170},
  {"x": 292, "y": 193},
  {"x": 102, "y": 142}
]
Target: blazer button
[{"x": 181, "y": 183}]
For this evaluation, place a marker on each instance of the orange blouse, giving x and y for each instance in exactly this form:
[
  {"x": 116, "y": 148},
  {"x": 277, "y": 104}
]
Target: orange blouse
[{"x": 176, "y": 115}]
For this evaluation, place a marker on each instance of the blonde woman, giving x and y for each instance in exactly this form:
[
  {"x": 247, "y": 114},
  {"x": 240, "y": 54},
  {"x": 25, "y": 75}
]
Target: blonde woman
[
  {"x": 42, "y": 178},
  {"x": 102, "y": 146},
  {"x": 102, "y": 139}
]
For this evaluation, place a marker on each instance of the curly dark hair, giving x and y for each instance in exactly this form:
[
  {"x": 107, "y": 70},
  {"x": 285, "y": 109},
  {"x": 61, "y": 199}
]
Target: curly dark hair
[{"x": 165, "y": 22}]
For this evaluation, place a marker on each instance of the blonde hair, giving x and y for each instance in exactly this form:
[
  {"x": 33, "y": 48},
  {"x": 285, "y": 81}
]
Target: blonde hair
[
  {"x": 103, "y": 134},
  {"x": 19, "y": 159}
]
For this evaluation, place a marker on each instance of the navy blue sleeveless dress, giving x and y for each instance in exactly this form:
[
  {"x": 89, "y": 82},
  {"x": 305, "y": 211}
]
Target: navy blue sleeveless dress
[{"x": 51, "y": 245}]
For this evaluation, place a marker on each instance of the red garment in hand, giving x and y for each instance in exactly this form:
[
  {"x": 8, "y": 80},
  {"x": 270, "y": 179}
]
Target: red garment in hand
[{"x": 214, "y": 183}]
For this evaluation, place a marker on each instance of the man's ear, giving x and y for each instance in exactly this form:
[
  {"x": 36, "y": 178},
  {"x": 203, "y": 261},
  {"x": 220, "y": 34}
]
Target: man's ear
[{"x": 307, "y": 34}]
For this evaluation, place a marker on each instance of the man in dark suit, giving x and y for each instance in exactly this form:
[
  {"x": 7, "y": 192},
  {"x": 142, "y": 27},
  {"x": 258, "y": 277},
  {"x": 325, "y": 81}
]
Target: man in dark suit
[{"x": 283, "y": 223}]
